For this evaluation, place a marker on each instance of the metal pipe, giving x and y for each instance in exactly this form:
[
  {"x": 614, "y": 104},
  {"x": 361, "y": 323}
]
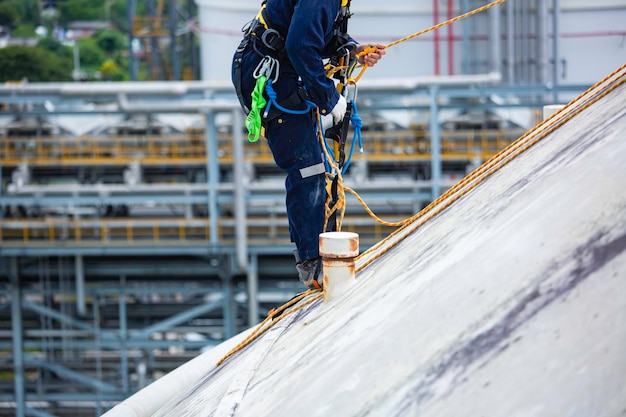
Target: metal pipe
[
  {"x": 240, "y": 183},
  {"x": 338, "y": 250},
  {"x": 413, "y": 83},
  {"x": 556, "y": 14},
  {"x": 466, "y": 38},
  {"x": 79, "y": 267},
  {"x": 1, "y": 188},
  {"x": 18, "y": 348},
  {"x": 542, "y": 39},
  {"x": 449, "y": 16},
  {"x": 253, "y": 290},
  {"x": 495, "y": 39},
  {"x": 213, "y": 174},
  {"x": 525, "y": 38},
  {"x": 123, "y": 335},
  {"x": 519, "y": 36},
  {"x": 112, "y": 89},
  {"x": 228, "y": 301},
  {"x": 436, "y": 36},
  {"x": 435, "y": 143},
  {"x": 181, "y": 106},
  {"x": 510, "y": 39},
  {"x": 122, "y": 90}
]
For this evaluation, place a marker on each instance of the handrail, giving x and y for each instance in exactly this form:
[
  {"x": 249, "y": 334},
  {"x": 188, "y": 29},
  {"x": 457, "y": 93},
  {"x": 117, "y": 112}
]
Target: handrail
[
  {"x": 264, "y": 230},
  {"x": 190, "y": 149}
]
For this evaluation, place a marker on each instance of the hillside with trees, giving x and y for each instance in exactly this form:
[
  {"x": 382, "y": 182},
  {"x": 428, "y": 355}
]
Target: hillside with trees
[{"x": 40, "y": 44}]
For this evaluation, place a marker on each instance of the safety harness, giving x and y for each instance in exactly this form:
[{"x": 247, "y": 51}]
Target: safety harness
[
  {"x": 261, "y": 35},
  {"x": 264, "y": 106},
  {"x": 264, "y": 38}
]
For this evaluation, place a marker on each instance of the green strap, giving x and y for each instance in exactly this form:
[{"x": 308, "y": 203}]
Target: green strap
[{"x": 253, "y": 121}]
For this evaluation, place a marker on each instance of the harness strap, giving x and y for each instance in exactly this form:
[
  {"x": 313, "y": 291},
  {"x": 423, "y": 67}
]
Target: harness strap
[{"x": 237, "y": 76}]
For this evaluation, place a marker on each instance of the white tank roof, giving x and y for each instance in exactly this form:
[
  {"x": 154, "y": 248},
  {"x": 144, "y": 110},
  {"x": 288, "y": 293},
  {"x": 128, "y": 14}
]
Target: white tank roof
[{"x": 510, "y": 302}]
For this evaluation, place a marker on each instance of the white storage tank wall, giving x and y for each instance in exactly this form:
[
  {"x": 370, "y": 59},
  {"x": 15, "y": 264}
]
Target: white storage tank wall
[
  {"x": 220, "y": 26},
  {"x": 591, "y": 45},
  {"x": 586, "y": 46}
]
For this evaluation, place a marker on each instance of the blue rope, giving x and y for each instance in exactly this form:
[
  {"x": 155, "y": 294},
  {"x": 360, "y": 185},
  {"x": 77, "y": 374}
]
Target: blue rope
[
  {"x": 271, "y": 94},
  {"x": 357, "y": 123}
]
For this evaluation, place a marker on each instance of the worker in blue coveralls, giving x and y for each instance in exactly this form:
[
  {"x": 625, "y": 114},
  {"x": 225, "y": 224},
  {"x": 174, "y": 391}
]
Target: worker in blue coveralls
[{"x": 298, "y": 35}]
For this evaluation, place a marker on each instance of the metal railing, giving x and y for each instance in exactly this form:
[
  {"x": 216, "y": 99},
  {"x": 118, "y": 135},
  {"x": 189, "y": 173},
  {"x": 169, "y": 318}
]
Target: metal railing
[
  {"x": 273, "y": 230},
  {"x": 190, "y": 148}
]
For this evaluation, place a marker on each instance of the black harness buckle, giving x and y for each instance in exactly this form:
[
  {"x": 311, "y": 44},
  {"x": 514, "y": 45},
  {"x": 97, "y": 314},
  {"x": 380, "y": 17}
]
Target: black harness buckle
[{"x": 273, "y": 40}]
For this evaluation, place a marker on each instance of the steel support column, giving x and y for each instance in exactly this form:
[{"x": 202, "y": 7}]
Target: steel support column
[
  {"x": 79, "y": 266},
  {"x": 1, "y": 211},
  {"x": 556, "y": 12},
  {"x": 241, "y": 227},
  {"x": 510, "y": 42},
  {"x": 123, "y": 335},
  {"x": 466, "y": 38},
  {"x": 228, "y": 301},
  {"x": 16, "y": 324},
  {"x": 213, "y": 175},
  {"x": 495, "y": 37},
  {"x": 253, "y": 290},
  {"x": 435, "y": 142}
]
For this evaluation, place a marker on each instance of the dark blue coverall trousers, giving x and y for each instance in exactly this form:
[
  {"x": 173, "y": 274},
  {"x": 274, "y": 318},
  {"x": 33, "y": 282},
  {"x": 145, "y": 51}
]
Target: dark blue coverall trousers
[{"x": 307, "y": 29}]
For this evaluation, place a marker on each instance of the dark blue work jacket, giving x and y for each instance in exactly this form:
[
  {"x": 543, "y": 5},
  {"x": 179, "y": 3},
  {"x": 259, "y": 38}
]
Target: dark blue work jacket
[{"x": 308, "y": 32}]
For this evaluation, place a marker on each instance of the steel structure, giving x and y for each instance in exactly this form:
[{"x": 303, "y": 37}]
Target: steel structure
[
  {"x": 99, "y": 301},
  {"x": 161, "y": 36}
]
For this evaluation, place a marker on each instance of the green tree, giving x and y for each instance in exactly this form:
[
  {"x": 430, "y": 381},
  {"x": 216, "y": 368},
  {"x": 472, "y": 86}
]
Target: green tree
[
  {"x": 118, "y": 16},
  {"x": 72, "y": 10},
  {"x": 35, "y": 64},
  {"x": 9, "y": 16},
  {"x": 53, "y": 45},
  {"x": 91, "y": 55},
  {"x": 110, "y": 40},
  {"x": 28, "y": 11}
]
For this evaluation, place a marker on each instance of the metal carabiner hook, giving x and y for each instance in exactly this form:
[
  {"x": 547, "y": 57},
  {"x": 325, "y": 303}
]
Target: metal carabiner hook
[{"x": 269, "y": 67}]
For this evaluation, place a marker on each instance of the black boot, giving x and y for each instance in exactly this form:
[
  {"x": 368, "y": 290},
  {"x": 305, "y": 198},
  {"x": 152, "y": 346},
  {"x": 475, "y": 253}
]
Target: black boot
[{"x": 310, "y": 273}]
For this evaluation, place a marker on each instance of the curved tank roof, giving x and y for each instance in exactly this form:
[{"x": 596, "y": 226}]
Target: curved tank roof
[{"x": 506, "y": 300}]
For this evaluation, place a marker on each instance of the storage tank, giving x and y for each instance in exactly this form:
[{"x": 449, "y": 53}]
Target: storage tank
[{"x": 514, "y": 38}]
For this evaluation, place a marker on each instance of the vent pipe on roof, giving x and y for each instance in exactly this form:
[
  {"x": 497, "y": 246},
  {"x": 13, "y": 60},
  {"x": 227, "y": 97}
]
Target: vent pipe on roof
[
  {"x": 338, "y": 250},
  {"x": 550, "y": 109}
]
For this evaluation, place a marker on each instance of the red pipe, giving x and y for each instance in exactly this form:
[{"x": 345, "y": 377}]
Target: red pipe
[
  {"x": 436, "y": 35},
  {"x": 450, "y": 39}
]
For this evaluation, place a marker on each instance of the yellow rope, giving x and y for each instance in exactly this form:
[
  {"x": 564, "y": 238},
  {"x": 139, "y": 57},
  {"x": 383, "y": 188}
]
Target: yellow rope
[
  {"x": 272, "y": 318},
  {"x": 422, "y": 32},
  {"x": 447, "y": 22},
  {"x": 499, "y": 160},
  {"x": 490, "y": 167},
  {"x": 340, "y": 205},
  {"x": 371, "y": 213}
]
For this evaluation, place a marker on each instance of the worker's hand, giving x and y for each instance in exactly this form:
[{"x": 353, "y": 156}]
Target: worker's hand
[
  {"x": 339, "y": 110},
  {"x": 369, "y": 54}
]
